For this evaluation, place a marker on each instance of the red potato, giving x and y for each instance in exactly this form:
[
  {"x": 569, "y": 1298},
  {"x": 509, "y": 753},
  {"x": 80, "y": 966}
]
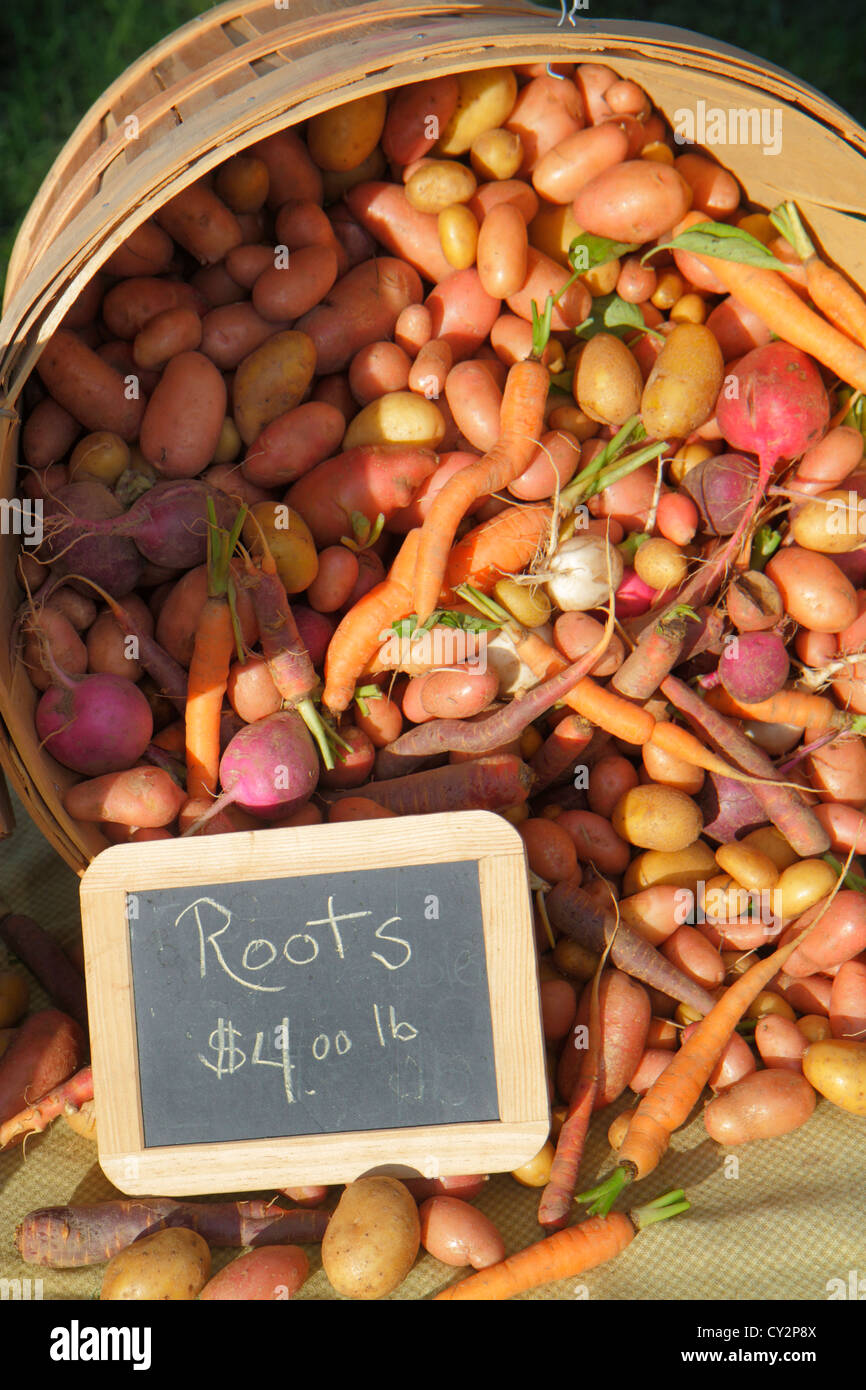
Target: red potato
[
  {"x": 780, "y": 1043},
  {"x": 714, "y": 190},
  {"x": 458, "y": 1234},
  {"x": 64, "y": 643},
  {"x": 88, "y": 388},
  {"x": 575, "y": 634},
  {"x": 251, "y": 690},
  {"x": 558, "y": 1007},
  {"x": 266, "y": 1274},
  {"x": 165, "y": 335},
  {"x": 301, "y": 223},
  {"x": 809, "y": 995},
  {"x": 335, "y": 580},
  {"x": 625, "y": 1020},
  {"x": 371, "y": 572},
  {"x": 503, "y": 248},
  {"x": 414, "y": 111},
  {"x": 48, "y": 433},
  {"x": 571, "y": 164},
  {"x": 80, "y": 610},
  {"x": 735, "y": 1061},
  {"x": 593, "y": 80},
  {"x": 654, "y": 1061},
  {"x": 291, "y": 171},
  {"x": 761, "y": 1106},
  {"x": 429, "y": 371},
  {"x": 368, "y": 479},
  {"x": 838, "y": 772},
  {"x": 181, "y": 610},
  {"x": 410, "y": 701},
  {"x": 376, "y": 369},
  {"x": 353, "y": 766},
  {"x": 845, "y": 825},
  {"x": 552, "y": 465},
  {"x": 609, "y": 779},
  {"x": 228, "y": 478},
  {"x": 687, "y": 949},
  {"x": 829, "y": 461},
  {"x": 242, "y": 182},
  {"x": 657, "y": 912},
  {"x": 146, "y": 797},
  {"x": 232, "y": 331},
  {"x": 516, "y": 191},
  {"x": 386, "y": 213},
  {"x": 361, "y": 308},
  {"x": 118, "y": 354},
  {"x": 736, "y": 328},
  {"x": 357, "y": 808},
  {"x": 216, "y": 287},
  {"x": 636, "y": 283},
  {"x": 464, "y": 1186},
  {"x": 458, "y": 693},
  {"x": 293, "y": 444},
  {"x": 407, "y": 518},
  {"x": 334, "y": 390},
  {"x": 184, "y": 417},
  {"x": 475, "y": 401},
  {"x": 462, "y": 313},
  {"x": 47, "y": 1048},
  {"x": 148, "y": 250},
  {"x": 814, "y": 589},
  {"x": 414, "y": 328},
  {"x": 691, "y": 267},
  {"x": 596, "y": 841},
  {"x": 848, "y": 1001},
  {"x": 113, "y": 651},
  {"x": 200, "y": 222},
  {"x": 286, "y": 292},
  {"x": 545, "y": 113},
  {"x": 127, "y": 307},
  {"x": 838, "y": 937},
  {"x": 629, "y": 500},
  {"x": 543, "y": 277},
  {"x": 677, "y": 518},
  {"x": 549, "y": 849}
]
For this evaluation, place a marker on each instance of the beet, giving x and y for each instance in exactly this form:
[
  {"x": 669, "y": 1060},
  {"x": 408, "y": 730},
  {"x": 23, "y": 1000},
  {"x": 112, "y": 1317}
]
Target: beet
[
  {"x": 721, "y": 487},
  {"x": 76, "y": 541},
  {"x": 95, "y": 724},
  {"x": 773, "y": 404},
  {"x": 754, "y": 666},
  {"x": 269, "y": 768},
  {"x": 728, "y": 808}
]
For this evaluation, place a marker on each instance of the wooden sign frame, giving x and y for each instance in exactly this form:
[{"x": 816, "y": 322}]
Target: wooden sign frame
[{"x": 256, "y": 1164}]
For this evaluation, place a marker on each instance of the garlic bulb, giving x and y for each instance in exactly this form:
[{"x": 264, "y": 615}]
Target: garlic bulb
[{"x": 578, "y": 573}]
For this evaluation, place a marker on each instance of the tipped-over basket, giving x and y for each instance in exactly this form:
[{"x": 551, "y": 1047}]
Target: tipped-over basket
[{"x": 245, "y": 70}]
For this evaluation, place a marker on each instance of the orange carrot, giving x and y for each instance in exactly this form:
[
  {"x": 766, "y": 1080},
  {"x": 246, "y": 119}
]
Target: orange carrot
[
  {"x": 560, "y": 750},
  {"x": 767, "y": 294},
  {"x": 656, "y": 654},
  {"x": 35, "y": 1118},
  {"x": 565, "y": 1254},
  {"x": 798, "y": 707},
  {"x": 670, "y": 1100},
  {"x": 364, "y": 628},
  {"x": 211, "y": 659},
  {"x": 503, "y": 545},
  {"x": 835, "y": 296},
  {"x": 521, "y": 423}
]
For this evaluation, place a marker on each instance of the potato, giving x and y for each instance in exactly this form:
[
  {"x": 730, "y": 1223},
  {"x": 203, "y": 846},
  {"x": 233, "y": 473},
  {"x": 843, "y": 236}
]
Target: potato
[
  {"x": 399, "y": 417},
  {"x": 816, "y": 593},
  {"x": 271, "y": 380},
  {"x": 169, "y": 1265},
  {"x": 659, "y": 818},
  {"x": 361, "y": 308},
  {"x": 484, "y": 102},
  {"x": 761, "y": 1106},
  {"x": 345, "y": 136},
  {"x": 837, "y": 1068},
  {"x": 268, "y": 1273},
  {"x": 14, "y": 997},
  {"x": 683, "y": 868},
  {"x": 437, "y": 183},
  {"x": 184, "y": 417},
  {"x": 830, "y": 524},
  {"x": 634, "y": 202},
  {"x": 289, "y": 540},
  {"x": 458, "y": 236},
  {"x": 684, "y": 384},
  {"x": 372, "y": 1238},
  {"x": 607, "y": 383}
]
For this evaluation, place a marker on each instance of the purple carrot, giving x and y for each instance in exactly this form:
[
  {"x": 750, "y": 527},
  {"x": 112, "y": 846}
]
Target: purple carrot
[
  {"x": 659, "y": 650},
  {"x": 573, "y": 913},
  {"x": 68, "y": 1237},
  {"x": 46, "y": 959},
  {"x": 558, "y": 754},
  {"x": 782, "y": 805},
  {"x": 487, "y": 784}
]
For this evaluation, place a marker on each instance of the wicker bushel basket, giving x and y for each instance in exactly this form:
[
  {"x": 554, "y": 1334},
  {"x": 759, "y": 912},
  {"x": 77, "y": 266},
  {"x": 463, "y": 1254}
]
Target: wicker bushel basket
[{"x": 244, "y": 71}]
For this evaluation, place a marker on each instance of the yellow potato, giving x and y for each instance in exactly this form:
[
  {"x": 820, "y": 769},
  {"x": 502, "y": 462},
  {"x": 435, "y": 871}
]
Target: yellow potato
[
  {"x": 372, "y": 1238},
  {"x": 398, "y": 417},
  {"x": 438, "y": 183},
  {"x": 748, "y": 866},
  {"x": 659, "y": 818},
  {"x": 837, "y": 1068},
  {"x": 230, "y": 442},
  {"x": 496, "y": 154},
  {"x": 169, "y": 1265},
  {"x": 684, "y": 384},
  {"x": 458, "y": 236},
  {"x": 14, "y": 996},
  {"x": 99, "y": 457},
  {"x": 484, "y": 103},
  {"x": 771, "y": 842},
  {"x": 660, "y": 563},
  {"x": 553, "y": 229},
  {"x": 271, "y": 381},
  {"x": 289, "y": 540},
  {"x": 529, "y": 605},
  {"x": 802, "y": 886},
  {"x": 684, "y": 868},
  {"x": 342, "y": 138},
  {"x": 608, "y": 382},
  {"x": 336, "y": 182},
  {"x": 831, "y": 523},
  {"x": 536, "y": 1173}
]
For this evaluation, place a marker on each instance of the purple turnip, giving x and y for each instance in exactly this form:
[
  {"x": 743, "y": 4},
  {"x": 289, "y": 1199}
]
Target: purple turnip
[
  {"x": 94, "y": 724},
  {"x": 269, "y": 769}
]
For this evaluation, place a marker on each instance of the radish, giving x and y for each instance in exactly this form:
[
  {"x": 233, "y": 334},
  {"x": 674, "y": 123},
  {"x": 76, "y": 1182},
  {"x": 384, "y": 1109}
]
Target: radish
[
  {"x": 754, "y": 666},
  {"x": 269, "y": 769},
  {"x": 94, "y": 724}
]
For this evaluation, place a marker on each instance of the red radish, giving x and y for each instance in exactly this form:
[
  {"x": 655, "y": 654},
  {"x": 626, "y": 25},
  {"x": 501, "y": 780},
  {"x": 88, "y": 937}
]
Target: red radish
[
  {"x": 268, "y": 769},
  {"x": 94, "y": 724},
  {"x": 754, "y": 666}
]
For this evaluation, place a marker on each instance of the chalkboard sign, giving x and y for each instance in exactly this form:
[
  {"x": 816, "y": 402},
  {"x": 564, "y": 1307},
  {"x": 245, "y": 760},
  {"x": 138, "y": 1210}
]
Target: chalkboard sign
[{"x": 280, "y": 1007}]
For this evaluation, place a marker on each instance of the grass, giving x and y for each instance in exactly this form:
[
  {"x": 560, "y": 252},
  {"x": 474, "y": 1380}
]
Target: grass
[{"x": 56, "y": 58}]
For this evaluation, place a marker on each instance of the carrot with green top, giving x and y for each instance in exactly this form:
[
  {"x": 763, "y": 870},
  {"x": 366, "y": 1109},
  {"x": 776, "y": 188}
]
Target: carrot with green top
[{"x": 830, "y": 292}]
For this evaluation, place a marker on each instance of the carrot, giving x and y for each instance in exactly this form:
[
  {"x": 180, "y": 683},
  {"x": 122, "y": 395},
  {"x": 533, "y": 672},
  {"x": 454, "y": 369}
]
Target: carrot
[
  {"x": 783, "y": 806},
  {"x": 671, "y": 1098},
  {"x": 68, "y": 1237},
  {"x": 657, "y": 653},
  {"x": 47, "y": 1048},
  {"x": 798, "y": 707},
  {"x": 73, "y": 1092},
  {"x": 45, "y": 959},
  {"x": 487, "y": 784},
  {"x": 505, "y": 544},
  {"x": 560, "y": 750},
  {"x": 837, "y": 299},
  {"x": 566, "y": 1253},
  {"x": 521, "y": 423},
  {"x": 211, "y": 658},
  {"x": 573, "y": 913},
  {"x": 365, "y": 627}
]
